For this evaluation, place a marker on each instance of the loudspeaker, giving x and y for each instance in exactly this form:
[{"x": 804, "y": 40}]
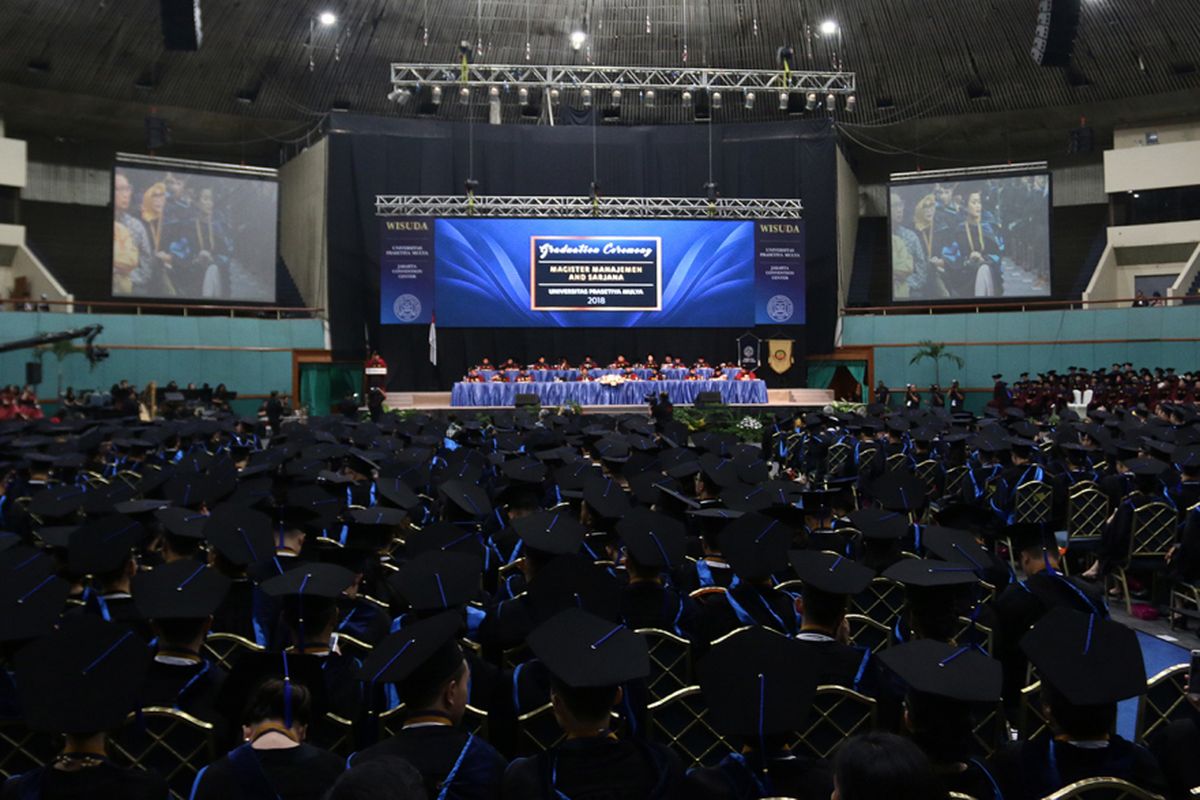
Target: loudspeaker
[
  {"x": 708, "y": 399},
  {"x": 33, "y": 372},
  {"x": 181, "y": 24},
  {"x": 1054, "y": 39},
  {"x": 526, "y": 399}
]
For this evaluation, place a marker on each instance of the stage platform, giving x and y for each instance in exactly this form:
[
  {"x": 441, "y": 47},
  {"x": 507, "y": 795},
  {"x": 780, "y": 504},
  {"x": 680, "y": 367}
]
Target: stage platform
[{"x": 776, "y": 398}]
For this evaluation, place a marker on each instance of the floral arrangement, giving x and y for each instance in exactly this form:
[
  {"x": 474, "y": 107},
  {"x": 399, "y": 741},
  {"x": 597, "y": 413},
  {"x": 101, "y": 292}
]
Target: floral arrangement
[
  {"x": 749, "y": 424},
  {"x": 611, "y": 381}
]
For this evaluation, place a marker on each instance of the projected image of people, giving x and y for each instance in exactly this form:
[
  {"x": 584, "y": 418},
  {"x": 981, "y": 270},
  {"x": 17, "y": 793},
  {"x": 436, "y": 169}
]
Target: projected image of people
[
  {"x": 971, "y": 239},
  {"x": 192, "y": 236}
]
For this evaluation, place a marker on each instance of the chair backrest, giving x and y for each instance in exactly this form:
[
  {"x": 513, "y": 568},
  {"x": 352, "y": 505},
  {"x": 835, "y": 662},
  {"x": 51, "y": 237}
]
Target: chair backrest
[
  {"x": 837, "y": 713},
  {"x": 866, "y": 458},
  {"x": 896, "y": 461},
  {"x": 334, "y": 733},
  {"x": 927, "y": 471},
  {"x": 1087, "y": 511},
  {"x": 708, "y": 594},
  {"x": 475, "y": 720},
  {"x": 352, "y": 646},
  {"x": 960, "y": 796},
  {"x": 989, "y": 728},
  {"x": 679, "y": 722},
  {"x": 1154, "y": 528},
  {"x": 1164, "y": 701},
  {"x": 836, "y": 458},
  {"x": 882, "y": 601},
  {"x": 970, "y": 632},
  {"x": 538, "y": 731},
  {"x": 866, "y": 632},
  {"x": 168, "y": 741},
  {"x": 223, "y": 649},
  {"x": 954, "y": 480},
  {"x": 22, "y": 749},
  {"x": 1031, "y": 723},
  {"x": 670, "y": 662},
  {"x": 1033, "y": 502},
  {"x": 1103, "y": 789}
]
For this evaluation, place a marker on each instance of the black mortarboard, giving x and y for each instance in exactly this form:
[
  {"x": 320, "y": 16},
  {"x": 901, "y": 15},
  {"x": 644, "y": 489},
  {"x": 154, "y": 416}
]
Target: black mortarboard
[
  {"x": 1087, "y": 659},
  {"x": 878, "y": 523},
  {"x": 925, "y": 573},
  {"x": 555, "y": 532},
  {"x": 945, "y": 670},
  {"x": 445, "y": 536},
  {"x": 185, "y": 523},
  {"x": 653, "y": 539},
  {"x": 184, "y": 589},
  {"x": 573, "y": 581},
  {"x": 252, "y": 670},
  {"x": 397, "y": 492},
  {"x": 469, "y": 497},
  {"x": 30, "y": 603},
  {"x": 959, "y": 547},
  {"x": 583, "y": 650},
  {"x": 135, "y": 507},
  {"x": 1148, "y": 467},
  {"x": 756, "y": 546},
  {"x": 82, "y": 678},
  {"x": 524, "y": 470},
  {"x": 721, "y": 471},
  {"x": 326, "y": 581},
  {"x": 829, "y": 572},
  {"x": 899, "y": 491},
  {"x": 438, "y": 580},
  {"x": 102, "y": 545},
  {"x": 242, "y": 536},
  {"x": 1187, "y": 456},
  {"x": 1030, "y": 536},
  {"x": 57, "y": 502},
  {"x": 424, "y": 651},
  {"x": 757, "y": 683},
  {"x": 606, "y": 497}
]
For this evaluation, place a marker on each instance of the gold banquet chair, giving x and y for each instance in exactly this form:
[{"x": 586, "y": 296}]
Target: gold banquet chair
[
  {"x": 1031, "y": 723},
  {"x": 866, "y": 632},
  {"x": 22, "y": 750},
  {"x": 836, "y": 458},
  {"x": 670, "y": 662},
  {"x": 954, "y": 481},
  {"x": 679, "y": 721},
  {"x": 1087, "y": 512},
  {"x": 1164, "y": 701},
  {"x": 168, "y": 741},
  {"x": 1154, "y": 529},
  {"x": 223, "y": 649},
  {"x": 927, "y": 472},
  {"x": 1102, "y": 789},
  {"x": 475, "y": 720},
  {"x": 837, "y": 714},
  {"x": 882, "y": 601}
]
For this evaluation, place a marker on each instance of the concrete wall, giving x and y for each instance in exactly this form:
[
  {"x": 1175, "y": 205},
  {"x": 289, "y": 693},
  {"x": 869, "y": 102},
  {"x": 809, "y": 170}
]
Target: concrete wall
[
  {"x": 1159, "y": 166},
  {"x": 251, "y": 356}
]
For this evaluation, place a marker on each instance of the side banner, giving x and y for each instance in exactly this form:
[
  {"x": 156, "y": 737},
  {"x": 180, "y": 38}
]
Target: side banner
[
  {"x": 779, "y": 272},
  {"x": 406, "y": 279}
]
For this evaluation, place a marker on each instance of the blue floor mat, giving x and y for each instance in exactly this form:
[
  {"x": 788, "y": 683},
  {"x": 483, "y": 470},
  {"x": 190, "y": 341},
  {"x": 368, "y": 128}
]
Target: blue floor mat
[{"x": 1157, "y": 655}]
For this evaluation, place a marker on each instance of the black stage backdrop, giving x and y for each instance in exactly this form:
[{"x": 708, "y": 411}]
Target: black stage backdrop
[{"x": 375, "y": 155}]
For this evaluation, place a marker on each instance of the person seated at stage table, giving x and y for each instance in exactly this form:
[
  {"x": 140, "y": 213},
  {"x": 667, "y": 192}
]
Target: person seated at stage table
[
  {"x": 650, "y": 363},
  {"x": 587, "y": 363},
  {"x": 620, "y": 363},
  {"x": 701, "y": 363},
  {"x": 693, "y": 375},
  {"x": 484, "y": 363},
  {"x": 746, "y": 375},
  {"x": 510, "y": 364},
  {"x": 562, "y": 364},
  {"x": 656, "y": 375},
  {"x": 500, "y": 376},
  {"x": 540, "y": 363},
  {"x": 718, "y": 374},
  {"x": 523, "y": 376},
  {"x": 668, "y": 361},
  {"x": 474, "y": 376},
  {"x": 630, "y": 374},
  {"x": 584, "y": 375}
]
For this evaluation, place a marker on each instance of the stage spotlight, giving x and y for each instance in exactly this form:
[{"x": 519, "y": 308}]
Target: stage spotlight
[
  {"x": 715, "y": 99},
  {"x": 810, "y": 102},
  {"x": 436, "y": 95},
  {"x": 464, "y": 95},
  {"x": 616, "y": 97},
  {"x": 586, "y": 96},
  {"x": 394, "y": 95},
  {"x": 710, "y": 191},
  {"x": 327, "y": 18},
  {"x": 648, "y": 98},
  {"x": 783, "y": 101},
  {"x": 851, "y": 103},
  {"x": 830, "y": 102},
  {"x": 578, "y": 39},
  {"x": 523, "y": 96},
  {"x": 749, "y": 101},
  {"x": 494, "y": 92},
  {"x": 686, "y": 97},
  {"x": 829, "y": 28},
  {"x": 554, "y": 95}
]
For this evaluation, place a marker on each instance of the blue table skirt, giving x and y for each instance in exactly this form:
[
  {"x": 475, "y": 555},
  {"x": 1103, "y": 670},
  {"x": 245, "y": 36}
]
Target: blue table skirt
[
  {"x": 630, "y": 393},
  {"x": 547, "y": 375}
]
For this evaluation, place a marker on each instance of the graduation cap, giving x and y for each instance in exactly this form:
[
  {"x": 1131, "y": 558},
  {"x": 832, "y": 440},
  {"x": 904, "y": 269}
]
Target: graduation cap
[
  {"x": 103, "y": 545},
  {"x": 325, "y": 581},
  {"x": 57, "y": 502},
  {"x": 958, "y": 547},
  {"x": 438, "y": 580},
  {"x": 653, "y": 539},
  {"x": 945, "y": 670},
  {"x": 554, "y": 532},
  {"x": 185, "y": 523},
  {"x": 878, "y": 523},
  {"x": 830, "y": 573},
  {"x": 573, "y": 581},
  {"x": 135, "y": 507},
  {"x": 583, "y": 650},
  {"x": 468, "y": 497},
  {"x": 1087, "y": 659},
  {"x": 720, "y": 470},
  {"x": 31, "y": 601},
  {"x": 83, "y": 677},
  {"x": 524, "y": 470},
  {"x": 925, "y": 573},
  {"x": 1145, "y": 467},
  {"x": 424, "y": 652},
  {"x": 756, "y": 546},
  {"x": 254, "y": 669},
  {"x": 757, "y": 682},
  {"x": 395, "y": 491},
  {"x": 242, "y": 536},
  {"x": 606, "y": 497},
  {"x": 445, "y": 536},
  {"x": 1187, "y": 457},
  {"x": 184, "y": 589},
  {"x": 899, "y": 491},
  {"x": 748, "y": 498}
]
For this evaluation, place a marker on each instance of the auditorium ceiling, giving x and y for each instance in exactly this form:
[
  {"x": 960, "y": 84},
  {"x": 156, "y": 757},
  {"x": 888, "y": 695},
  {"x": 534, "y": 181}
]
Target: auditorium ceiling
[{"x": 75, "y": 65}]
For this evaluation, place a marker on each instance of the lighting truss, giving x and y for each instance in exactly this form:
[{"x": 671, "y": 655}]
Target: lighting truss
[
  {"x": 387, "y": 205},
  {"x": 991, "y": 171},
  {"x": 517, "y": 76}
]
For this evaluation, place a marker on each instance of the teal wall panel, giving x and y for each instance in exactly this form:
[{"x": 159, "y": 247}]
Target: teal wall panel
[{"x": 246, "y": 371}]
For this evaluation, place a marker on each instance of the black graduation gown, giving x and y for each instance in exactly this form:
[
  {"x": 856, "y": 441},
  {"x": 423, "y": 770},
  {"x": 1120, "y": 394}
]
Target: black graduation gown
[
  {"x": 645, "y": 604},
  {"x": 105, "y": 780},
  {"x": 974, "y": 781},
  {"x": 840, "y": 664},
  {"x": 192, "y": 688},
  {"x": 788, "y": 776},
  {"x": 600, "y": 768},
  {"x": 747, "y": 605},
  {"x": 707, "y": 571},
  {"x": 435, "y": 751},
  {"x": 1176, "y": 747},
  {"x": 1033, "y": 770},
  {"x": 294, "y": 773},
  {"x": 236, "y": 612}
]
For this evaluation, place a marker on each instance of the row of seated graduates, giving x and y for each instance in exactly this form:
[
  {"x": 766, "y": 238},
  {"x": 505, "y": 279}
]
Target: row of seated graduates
[
  {"x": 421, "y": 503},
  {"x": 587, "y": 362}
]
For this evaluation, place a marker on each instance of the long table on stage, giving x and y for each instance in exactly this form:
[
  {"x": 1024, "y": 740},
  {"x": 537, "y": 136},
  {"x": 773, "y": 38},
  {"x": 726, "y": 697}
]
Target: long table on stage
[
  {"x": 550, "y": 375},
  {"x": 585, "y": 393}
]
